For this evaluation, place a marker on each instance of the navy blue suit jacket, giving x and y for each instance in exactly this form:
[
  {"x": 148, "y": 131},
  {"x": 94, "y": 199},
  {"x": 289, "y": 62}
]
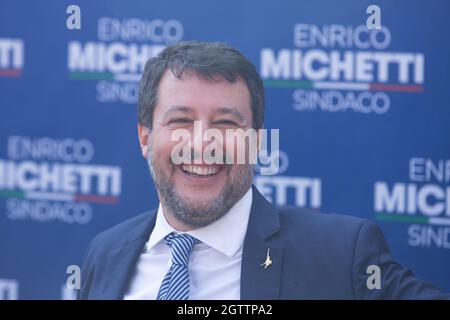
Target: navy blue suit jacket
[{"x": 315, "y": 256}]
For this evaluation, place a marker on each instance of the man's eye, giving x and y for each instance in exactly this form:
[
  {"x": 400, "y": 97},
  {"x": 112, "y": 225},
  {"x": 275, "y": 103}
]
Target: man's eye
[
  {"x": 180, "y": 121},
  {"x": 226, "y": 122}
]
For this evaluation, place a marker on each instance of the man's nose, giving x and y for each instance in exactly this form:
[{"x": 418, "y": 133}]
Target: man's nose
[
  {"x": 199, "y": 128},
  {"x": 198, "y": 145}
]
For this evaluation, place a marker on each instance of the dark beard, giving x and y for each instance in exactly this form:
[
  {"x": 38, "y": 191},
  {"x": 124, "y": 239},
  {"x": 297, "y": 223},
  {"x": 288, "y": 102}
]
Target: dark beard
[{"x": 197, "y": 214}]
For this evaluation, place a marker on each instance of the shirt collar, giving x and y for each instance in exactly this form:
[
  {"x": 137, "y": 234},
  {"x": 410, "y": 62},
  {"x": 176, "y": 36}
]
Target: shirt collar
[{"x": 225, "y": 235}]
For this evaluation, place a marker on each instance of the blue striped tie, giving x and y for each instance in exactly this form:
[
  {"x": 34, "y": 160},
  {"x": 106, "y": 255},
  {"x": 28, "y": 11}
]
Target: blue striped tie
[{"x": 175, "y": 285}]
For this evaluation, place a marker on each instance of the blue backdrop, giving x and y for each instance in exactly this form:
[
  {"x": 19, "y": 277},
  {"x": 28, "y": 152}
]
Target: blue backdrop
[{"x": 364, "y": 120}]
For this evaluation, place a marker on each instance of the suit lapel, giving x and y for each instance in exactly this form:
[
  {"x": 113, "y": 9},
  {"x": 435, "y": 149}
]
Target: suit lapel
[
  {"x": 258, "y": 282},
  {"x": 120, "y": 264}
]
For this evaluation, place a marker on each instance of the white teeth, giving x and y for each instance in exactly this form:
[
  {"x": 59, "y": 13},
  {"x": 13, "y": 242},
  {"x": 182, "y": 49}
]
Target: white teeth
[{"x": 198, "y": 170}]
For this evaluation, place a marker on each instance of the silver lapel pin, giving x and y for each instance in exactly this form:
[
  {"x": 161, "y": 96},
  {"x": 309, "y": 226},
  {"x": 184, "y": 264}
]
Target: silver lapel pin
[{"x": 268, "y": 261}]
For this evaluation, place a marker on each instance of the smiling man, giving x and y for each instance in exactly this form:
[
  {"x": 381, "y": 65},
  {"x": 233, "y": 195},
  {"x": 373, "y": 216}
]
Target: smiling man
[{"x": 214, "y": 236}]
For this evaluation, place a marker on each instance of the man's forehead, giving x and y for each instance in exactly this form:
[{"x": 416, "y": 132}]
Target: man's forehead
[
  {"x": 174, "y": 90},
  {"x": 219, "y": 96}
]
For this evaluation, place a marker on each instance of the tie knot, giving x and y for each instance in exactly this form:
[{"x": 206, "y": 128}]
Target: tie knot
[{"x": 181, "y": 246}]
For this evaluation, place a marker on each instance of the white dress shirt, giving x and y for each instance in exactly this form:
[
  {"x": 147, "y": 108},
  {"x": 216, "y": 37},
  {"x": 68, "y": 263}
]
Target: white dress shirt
[{"x": 214, "y": 265}]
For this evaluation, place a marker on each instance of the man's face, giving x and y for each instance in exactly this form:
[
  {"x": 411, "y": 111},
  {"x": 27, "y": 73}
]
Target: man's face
[{"x": 197, "y": 194}]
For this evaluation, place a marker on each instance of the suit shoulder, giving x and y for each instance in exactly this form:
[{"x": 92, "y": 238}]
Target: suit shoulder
[
  {"x": 312, "y": 216},
  {"x": 312, "y": 221}
]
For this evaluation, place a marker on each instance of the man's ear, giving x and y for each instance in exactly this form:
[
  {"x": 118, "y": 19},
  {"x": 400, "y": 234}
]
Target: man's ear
[{"x": 144, "y": 136}]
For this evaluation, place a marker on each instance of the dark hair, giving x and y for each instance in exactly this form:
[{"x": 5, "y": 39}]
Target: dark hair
[{"x": 208, "y": 61}]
